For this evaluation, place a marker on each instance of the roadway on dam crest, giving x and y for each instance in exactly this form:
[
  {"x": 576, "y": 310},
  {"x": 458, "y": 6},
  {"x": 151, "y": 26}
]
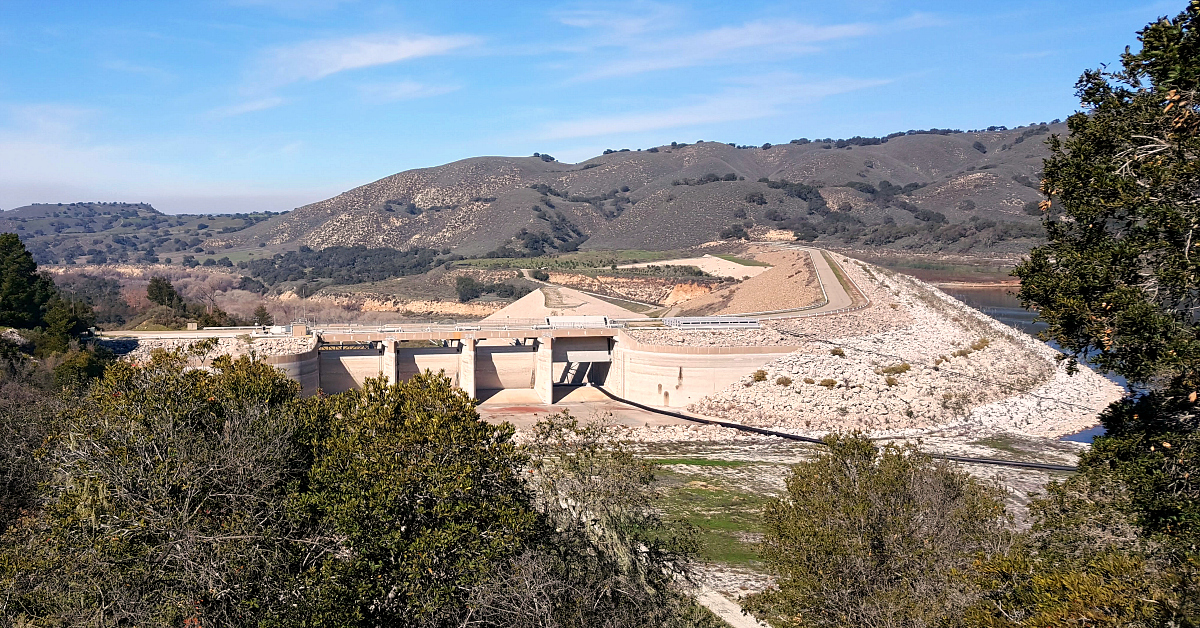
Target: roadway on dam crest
[{"x": 836, "y": 298}]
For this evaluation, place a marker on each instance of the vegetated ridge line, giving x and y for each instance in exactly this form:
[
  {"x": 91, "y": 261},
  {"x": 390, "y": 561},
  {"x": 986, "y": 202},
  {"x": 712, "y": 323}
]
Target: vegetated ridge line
[{"x": 805, "y": 439}]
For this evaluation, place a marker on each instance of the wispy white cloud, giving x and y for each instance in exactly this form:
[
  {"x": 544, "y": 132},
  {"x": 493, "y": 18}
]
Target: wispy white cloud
[
  {"x": 726, "y": 45},
  {"x": 50, "y": 156},
  {"x": 313, "y": 60},
  {"x": 631, "y": 51},
  {"x": 629, "y": 20},
  {"x": 250, "y": 106},
  {"x": 761, "y": 97},
  {"x": 403, "y": 90},
  {"x": 49, "y": 120},
  {"x": 38, "y": 143}
]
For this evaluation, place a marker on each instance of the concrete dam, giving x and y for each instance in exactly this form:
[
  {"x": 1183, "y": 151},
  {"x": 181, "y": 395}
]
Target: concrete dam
[
  {"x": 482, "y": 360},
  {"x": 553, "y": 337}
]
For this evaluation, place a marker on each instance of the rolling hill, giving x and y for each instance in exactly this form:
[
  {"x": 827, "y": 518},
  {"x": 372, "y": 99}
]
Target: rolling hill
[
  {"x": 99, "y": 233},
  {"x": 928, "y": 191}
]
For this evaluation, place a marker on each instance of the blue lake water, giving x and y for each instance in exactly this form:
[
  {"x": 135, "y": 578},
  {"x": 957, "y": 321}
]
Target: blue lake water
[{"x": 1002, "y": 305}]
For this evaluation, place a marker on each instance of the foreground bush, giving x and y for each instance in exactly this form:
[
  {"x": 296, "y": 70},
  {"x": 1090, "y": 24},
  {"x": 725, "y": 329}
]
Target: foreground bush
[
  {"x": 603, "y": 555},
  {"x": 163, "y": 496},
  {"x": 423, "y": 498},
  {"x": 875, "y": 536},
  {"x": 165, "y": 501}
]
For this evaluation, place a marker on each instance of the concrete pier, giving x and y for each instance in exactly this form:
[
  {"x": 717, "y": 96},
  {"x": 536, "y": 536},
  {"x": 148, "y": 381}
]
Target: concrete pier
[
  {"x": 543, "y": 374},
  {"x": 466, "y": 366}
]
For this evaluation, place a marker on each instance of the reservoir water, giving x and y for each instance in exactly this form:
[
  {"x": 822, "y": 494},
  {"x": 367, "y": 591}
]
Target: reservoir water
[{"x": 1001, "y": 304}]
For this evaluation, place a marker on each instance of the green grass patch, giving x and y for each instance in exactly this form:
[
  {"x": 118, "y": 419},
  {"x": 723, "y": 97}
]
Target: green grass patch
[
  {"x": 723, "y": 518},
  {"x": 574, "y": 261},
  {"x": 739, "y": 260},
  {"x": 1000, "y": 443}
]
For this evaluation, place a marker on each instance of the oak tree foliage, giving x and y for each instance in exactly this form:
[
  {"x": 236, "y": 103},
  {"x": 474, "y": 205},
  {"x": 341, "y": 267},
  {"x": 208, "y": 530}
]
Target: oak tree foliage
[{"x": 870, "y": 536}]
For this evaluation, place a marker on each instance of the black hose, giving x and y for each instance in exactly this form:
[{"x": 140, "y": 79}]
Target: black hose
[{"x": 805, "y": 439}]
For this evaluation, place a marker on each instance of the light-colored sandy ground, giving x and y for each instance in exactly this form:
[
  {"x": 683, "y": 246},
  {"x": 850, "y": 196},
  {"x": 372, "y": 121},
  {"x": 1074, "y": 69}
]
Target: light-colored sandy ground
[
  {"x": 559, "y": 301},
  {"x": 790, "y": 283},
  {"x": 710, "y": 264}
]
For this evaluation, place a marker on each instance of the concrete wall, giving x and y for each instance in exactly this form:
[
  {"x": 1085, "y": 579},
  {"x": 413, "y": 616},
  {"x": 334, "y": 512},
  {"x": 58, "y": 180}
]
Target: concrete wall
[
  {"x": 668, "y": 376},
  {"x": 348, "y": 369},
  {"x": 302, "y": 367},
  {"x": 504, "y": 367},
  {"x": 410, "y": 362},
  {"x": 674, "y": 377}
]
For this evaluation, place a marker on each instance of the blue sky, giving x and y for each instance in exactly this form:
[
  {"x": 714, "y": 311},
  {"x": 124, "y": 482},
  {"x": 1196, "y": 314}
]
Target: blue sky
[{"x": 237, "y": 105}]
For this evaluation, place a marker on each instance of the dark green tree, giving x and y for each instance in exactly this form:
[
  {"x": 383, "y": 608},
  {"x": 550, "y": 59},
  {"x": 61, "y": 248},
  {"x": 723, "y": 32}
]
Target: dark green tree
[
  {"x": 161, "y": 292},
  {"x": 23, "y": 292},
  {"x": 425, "y": 497},
  {"x": 468, "y": 288},
  {"x": 166, "y": 501},
  {"x": 1117, "y": 285},
  {"x": 262, "y": 316},
  {"x": 65, "y": 320},
  {"x": 1117, "y": 282}
]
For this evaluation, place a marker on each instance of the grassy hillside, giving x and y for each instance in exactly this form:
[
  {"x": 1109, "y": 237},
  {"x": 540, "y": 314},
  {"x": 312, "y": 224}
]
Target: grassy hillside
[
  {"x": 950, "y": 192},
  {"x": 100, "y": 233},
  {"x": 954, "y": 191}
]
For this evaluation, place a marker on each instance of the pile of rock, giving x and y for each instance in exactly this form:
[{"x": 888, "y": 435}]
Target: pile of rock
[
  {"x": 764, "y": 337},
  {"x": 15, "y": 337},
  {"x": 937, "y": 363},
  {"x": 139, "y": 350}
]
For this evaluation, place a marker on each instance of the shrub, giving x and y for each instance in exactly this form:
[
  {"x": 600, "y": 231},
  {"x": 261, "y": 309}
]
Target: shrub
[
  {"x": 760, "y": 375},
  {"x": 776, "y": 215},
  {"x": 891, "y": 381},
  {"x": 388, "y": 454},
  {"x": 467, "y": 288},
  {"x": 784, "y": 381},
  {"x": 809, "y": 380},
  {"x": 829, "y": 383},
  {"x": 540, "y": 275},
  {"x": 838, "y": 352},
  {"x": 896, "y": 369},
  {"x": 981, "y": 344},
  {"x": 872, "y": 536},
  {"x": 734, "y": 232}
]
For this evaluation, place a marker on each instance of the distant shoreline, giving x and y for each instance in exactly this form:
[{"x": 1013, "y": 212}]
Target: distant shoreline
[{"x": 968, "y": 285}]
